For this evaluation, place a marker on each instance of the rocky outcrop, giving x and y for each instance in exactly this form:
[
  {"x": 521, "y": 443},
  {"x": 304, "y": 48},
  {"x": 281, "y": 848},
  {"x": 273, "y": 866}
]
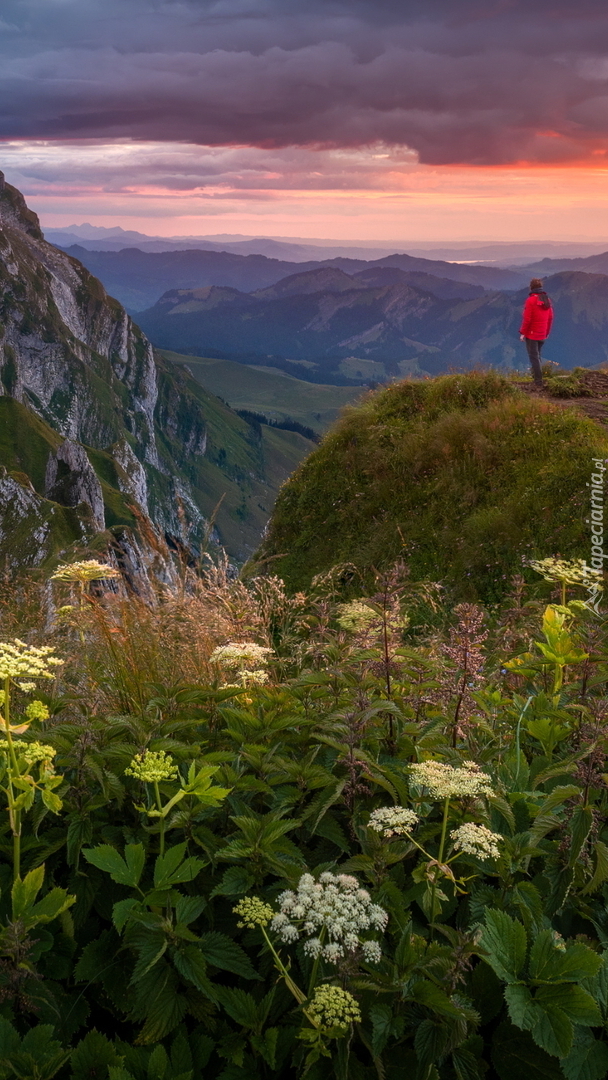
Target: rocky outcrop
[
  {"x": 71, "y": 480},
  {"x": 106, "y": 435}
]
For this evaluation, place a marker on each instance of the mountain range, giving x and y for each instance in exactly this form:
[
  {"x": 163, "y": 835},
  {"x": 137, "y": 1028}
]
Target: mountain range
[
  {"x": 326, "y": 325},
  {"x": 103, "y": 443},
  {"x": 139, "y": 278}
]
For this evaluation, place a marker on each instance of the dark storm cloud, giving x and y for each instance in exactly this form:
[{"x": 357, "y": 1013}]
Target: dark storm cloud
[{"x": 459, "y": 81}]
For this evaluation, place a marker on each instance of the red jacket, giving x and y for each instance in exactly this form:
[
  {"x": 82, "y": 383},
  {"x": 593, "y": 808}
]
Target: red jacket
[{"x": 537, "y": 320}]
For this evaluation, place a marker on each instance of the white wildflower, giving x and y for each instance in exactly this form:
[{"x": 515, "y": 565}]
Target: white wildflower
[
  {"x": 18, "y": 660},
  {"x": 476, "y": 840},
  {"x": 241, "y": 654},
  {"x": 86, "y": 570},
  {"x": 372, "y": 952},
  {"x": 334, "y": 909},
  {"x": 446, "y": 781},
  {"x": 569, "y": 571},
  {"x": 393, "y": 820}
]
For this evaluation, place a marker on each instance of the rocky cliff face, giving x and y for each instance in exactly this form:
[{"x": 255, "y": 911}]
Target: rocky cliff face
[{"x": 99, "y": 431}]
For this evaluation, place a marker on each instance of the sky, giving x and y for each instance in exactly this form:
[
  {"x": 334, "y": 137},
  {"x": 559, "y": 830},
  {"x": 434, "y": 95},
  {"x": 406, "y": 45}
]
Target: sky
[{"x": 351, "y": 119}]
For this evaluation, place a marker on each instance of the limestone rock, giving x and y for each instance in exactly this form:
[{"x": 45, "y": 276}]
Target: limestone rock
[{"x": 71, "y": 480}]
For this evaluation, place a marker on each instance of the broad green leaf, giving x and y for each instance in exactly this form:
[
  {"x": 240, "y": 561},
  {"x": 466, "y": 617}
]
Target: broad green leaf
[
  {"x": 188, "y": 908},
  {"x": 381, "y": 1016},
  {"x": 588, "y": 1059},
  {"x": 190, "y": 963},
  {"x": 427, "y": 993},
  {"x": 430, "y": 1043},
  {"x": 171, "y": 868},
  {"x": 92, "y": 1054},
  {"x": 117, "y": 1073},
  {"x": 520, "y": 1004},
  {"x": 106, "y": 858},
  {"x": 158, "y": 1063},
  {"x": 239, "y": 1005},
  {"x": 573, "y": 1001},
  {"x": 568, "y": 965},
  {"x": 466, "y": 1065},
  {"x": 505, "y": 942},
  {"x": 223, "y": 953},
  {"x": 121, "y": 912},
  {"x": 236, "y": 881},
  {"x": 149, "y": 951},
  {"x": 135, "y": 858},
  {"x": 51, "y": 800},
  {"x": 24, "y": 892},
  {"x": 51, "y": 906},
  {"x": 553, "y": 1031}
]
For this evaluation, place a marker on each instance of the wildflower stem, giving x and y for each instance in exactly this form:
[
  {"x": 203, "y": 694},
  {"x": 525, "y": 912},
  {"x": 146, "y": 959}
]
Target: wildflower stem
[
  {"x": 12, "y": 770},
  {"x": 159, "y": 806},
  {"x": 290, "y": 984},
  {"x": 444, "y": 828}
]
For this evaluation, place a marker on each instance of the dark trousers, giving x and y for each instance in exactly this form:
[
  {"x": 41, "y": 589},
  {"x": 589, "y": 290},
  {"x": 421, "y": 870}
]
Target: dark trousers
[{"x": 534, "y": 348}]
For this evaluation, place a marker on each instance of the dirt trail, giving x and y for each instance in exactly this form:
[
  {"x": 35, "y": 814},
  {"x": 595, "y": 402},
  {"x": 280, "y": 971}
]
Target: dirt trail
[{"x": 595, "y": 406}]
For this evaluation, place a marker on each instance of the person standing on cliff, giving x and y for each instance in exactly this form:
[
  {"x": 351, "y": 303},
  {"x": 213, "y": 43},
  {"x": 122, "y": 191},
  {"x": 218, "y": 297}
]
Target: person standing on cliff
[{"x": 536, "y": 323}]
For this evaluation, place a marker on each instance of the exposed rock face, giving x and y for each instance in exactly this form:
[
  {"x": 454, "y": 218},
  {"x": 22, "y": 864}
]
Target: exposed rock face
[
  {"x": 101, "y": 433},
  {"x": 71, "y": 480}
]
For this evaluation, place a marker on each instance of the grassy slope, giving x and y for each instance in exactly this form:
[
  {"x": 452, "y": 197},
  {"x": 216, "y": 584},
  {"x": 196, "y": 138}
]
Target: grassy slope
[
  {"x": 276, "y": 395},
  {"x": 463, "y": 475}
]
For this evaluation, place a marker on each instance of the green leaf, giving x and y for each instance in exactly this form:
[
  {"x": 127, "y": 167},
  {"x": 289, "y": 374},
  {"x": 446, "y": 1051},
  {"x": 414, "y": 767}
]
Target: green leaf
[
  {"x": 158, "y": 1063},
  {"x": 466, "y": 1065},
  {"x": 51, "y": 800},
  {"x": 95, "y": 1052},
  {"x": 236, "y": 881},
  {"x": 106, "y": 858},
  {"x": 573, "y": 1001},
  {"x": 188, "y": 908},
  {"x": 266, "y": 1045},
  {"x": 171, "y": 868},
  {"x": 239, "y": 1005},
  {"x": 588, "y": 1059},
  {"x": 150, "y": 948},
  {"x": 579, "y": 829},
  {"x": 549, "y": 964},
  {"x": 427, "y": 993},
  {"x": 190, "y": 963},
  {"x": 601, "y": 868},
  {"x": 118, "y": 1073},
  {"x": 223, "y": 953},
  {"x": 24, "y": 892},
  {"x": 430, "y": 1043},
  {"x": 51, "y": 906},
  {"x": 521, "y": 1007},
  {"x": 121, "y": 912},
  {"x": 381, "y": 1016},
  {"x": 505, "y": 942},
  {"x": 553, "y": 1030}
]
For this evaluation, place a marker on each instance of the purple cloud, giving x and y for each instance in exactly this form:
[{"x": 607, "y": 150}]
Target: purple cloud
[{"x": 458, "y": 82}]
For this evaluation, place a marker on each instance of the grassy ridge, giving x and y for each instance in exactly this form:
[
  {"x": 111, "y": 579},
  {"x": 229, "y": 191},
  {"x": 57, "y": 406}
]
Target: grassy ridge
[
  {"x": 463, "y": 475},
  {"x": 277, "y": 395}
]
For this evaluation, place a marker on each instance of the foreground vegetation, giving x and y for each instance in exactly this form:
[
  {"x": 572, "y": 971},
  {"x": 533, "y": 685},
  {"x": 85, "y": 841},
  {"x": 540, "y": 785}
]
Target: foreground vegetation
[
  {"x": 463, "y": 475},
  {"x": 248, "y": 835}
]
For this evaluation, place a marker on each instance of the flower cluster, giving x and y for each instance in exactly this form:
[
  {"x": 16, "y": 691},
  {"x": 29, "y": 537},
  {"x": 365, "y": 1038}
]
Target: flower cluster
[
  {"x": 570, "y": 571},
  {"x": 37, "y": 710},
  {"x": 253, "y": 912},
  {"x": 333, "y": 909},
  {"x": 333, "y": 1007},
  {"x": 476, "y": 840},
  {"x": 355, "y": 616},
  {"x": 243, "y": 659},
  {"x": 446, "y": 781},
  {"x": 152, "y": 766},
  {"x": 18, "y": 660},
  {"x": 393, "y": 820},
  {"x": 240, "y": 654},
  {"x": 87, "y": 570},
  {"x": 30, "y": 752}
]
